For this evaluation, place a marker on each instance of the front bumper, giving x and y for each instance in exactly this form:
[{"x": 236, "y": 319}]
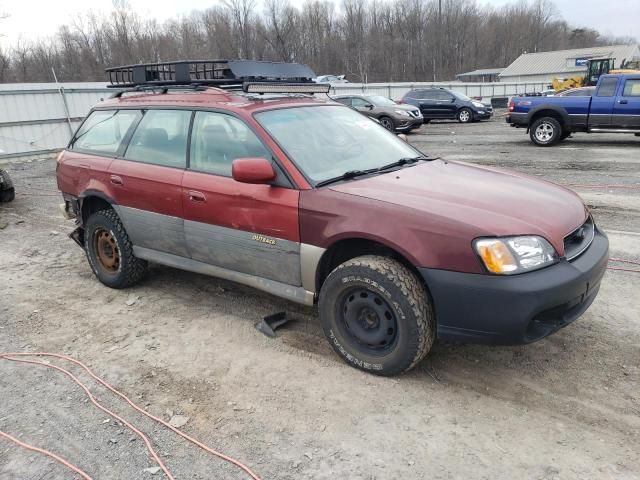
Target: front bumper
[
  {"x": 482, "y": 114},
  {"x": 408, "y": 124},
  {"x": 509, "y": 310}
]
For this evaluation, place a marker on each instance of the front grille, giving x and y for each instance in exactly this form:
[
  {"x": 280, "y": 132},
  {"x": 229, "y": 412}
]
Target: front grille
[
  {"x": 579, "y": 240},
  {"x": 414, "y": 113}
]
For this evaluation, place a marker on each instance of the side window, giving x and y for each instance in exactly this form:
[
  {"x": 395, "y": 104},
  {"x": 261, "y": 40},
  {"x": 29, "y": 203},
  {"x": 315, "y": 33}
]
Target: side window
[
  {"x": 359, "y": 102},
  {"x": 632, "y": 88},
  {"x": 607, "y": 87},
  {"x": 430, "y": 94},
  {"x": 345, "y": 101},
  {"x": 218, "y": 139},
  {"x": 444, "y": 96},
  {"x": 161, "y": 138},
  {"x": 104, "y": 130}
]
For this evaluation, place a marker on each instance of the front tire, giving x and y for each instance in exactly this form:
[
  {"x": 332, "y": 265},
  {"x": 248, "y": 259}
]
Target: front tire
[
  {"x": 545, "y": 131},
  {"x": 110, "y": 251},
  {"x": 465, "y": 115},
  {"x": 377, "y": 315},
  {"x": 387, "y": 122},
  {"x": 7, "y": 191}
]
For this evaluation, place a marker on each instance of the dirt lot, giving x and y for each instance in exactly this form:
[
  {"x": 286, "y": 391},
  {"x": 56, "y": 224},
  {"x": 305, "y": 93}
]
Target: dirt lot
[{"x": 566, "y": 407}]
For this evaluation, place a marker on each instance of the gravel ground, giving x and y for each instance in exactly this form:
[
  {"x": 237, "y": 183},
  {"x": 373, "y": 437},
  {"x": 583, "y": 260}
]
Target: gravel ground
[{"x": 182, "y": 344}]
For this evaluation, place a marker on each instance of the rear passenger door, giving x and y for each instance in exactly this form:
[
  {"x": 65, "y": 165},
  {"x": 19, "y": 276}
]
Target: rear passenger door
[
  {"x": 251, "y": 229},
  {"x": 602, "y": 103},
  {"x": 147, "y": 181},
  {"x": 626, "y": 110}
]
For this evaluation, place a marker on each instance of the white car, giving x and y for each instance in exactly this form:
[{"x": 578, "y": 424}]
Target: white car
[{"x": 331, "y": 79}]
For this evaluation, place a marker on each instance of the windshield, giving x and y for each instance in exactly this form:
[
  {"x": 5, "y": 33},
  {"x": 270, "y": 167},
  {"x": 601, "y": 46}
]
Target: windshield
[
  {"x": 380, "y": 101},
  {"x": 462, "y": 96},
  {"x": 327, "y": 141}
]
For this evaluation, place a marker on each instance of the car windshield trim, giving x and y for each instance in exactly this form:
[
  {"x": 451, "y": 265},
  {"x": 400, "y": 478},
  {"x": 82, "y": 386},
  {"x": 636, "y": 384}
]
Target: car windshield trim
[{"x": 337, "y": 139}]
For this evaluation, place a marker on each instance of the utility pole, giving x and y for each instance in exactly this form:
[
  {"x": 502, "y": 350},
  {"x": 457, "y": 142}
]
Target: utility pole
[{"x": 438, "y": 60}]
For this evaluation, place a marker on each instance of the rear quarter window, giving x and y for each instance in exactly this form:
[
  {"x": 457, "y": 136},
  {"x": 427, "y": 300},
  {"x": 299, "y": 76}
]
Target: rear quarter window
[
  {"x": 104, "y": 130},
  {"x": 632, "y": 88}
]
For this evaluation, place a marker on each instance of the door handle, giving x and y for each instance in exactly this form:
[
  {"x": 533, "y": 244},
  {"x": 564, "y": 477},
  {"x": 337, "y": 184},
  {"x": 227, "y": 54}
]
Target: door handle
[
  {"x": 624, "y": 101},
  {"x": 116, "y": 180},
  {"x": 196, "y": 196}
]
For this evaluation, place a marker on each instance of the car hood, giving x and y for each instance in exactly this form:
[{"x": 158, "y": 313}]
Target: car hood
[
  {"x": 489, "y": 201},
  {"x": 400, "y": 106}
]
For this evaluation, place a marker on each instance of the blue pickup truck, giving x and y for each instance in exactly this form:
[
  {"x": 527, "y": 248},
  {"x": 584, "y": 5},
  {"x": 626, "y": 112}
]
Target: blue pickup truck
[{"x": 614, "y": 108}]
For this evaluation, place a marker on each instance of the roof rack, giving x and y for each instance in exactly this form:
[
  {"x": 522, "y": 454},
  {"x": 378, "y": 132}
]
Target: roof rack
[{"x": 219, "y": 73}]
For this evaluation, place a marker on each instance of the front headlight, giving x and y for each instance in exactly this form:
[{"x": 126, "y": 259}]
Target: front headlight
[
  {"x": 478, "y": 104},
  {"x": 404, "y": 113},
  {"x": 510, "y": 255}
]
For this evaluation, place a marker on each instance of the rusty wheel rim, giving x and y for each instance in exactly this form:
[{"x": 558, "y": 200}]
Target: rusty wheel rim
[{"x": 107, "y": 251}]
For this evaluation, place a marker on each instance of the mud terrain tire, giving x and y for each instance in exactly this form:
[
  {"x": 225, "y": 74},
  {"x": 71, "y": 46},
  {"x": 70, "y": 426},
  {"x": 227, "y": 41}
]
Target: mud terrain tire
[
  {"x": 104, "y": 234},
  {"x": 377, "y": 315}
]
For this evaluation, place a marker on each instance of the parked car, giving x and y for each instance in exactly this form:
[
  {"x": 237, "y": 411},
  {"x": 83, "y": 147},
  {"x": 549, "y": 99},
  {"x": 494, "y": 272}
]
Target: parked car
[
  {"x": 331, "y": 79},
  {"x": 391, "y": 115},
  {"x": 613, "y": 108},
  {"x": 577, "y": 92},
  {"x": 7, "y": 191},
  {"x": 303, "y": 198},
  {"x": 436, "y": 103}
]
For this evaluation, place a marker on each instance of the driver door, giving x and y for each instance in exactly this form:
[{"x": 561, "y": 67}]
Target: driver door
[{"x": 251, "y": 229}]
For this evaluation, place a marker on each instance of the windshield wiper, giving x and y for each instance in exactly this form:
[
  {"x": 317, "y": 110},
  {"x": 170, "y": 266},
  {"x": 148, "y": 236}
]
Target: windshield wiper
[
  {"x": 403, "y": 161},
  {"x": 345, "y": 176},
  {"x": 357, "y": 173}
]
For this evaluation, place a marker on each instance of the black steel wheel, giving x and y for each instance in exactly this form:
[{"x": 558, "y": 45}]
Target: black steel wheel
[
  {"x": 377, "y": 315},
  {"x": 367, "y": 319}
]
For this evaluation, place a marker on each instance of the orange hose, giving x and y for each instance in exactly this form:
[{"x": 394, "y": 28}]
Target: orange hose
[
  {"x": 47, "y": 453},
  {"x": 9, "y": 356}
]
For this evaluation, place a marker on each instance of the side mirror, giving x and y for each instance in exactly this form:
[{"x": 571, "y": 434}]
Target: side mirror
[
  {"x": 252, "y": 170},
  {"x": 453, "y": 99},
  {"x": 403, "y": 137},
  {"x": 369, "y": 106}
]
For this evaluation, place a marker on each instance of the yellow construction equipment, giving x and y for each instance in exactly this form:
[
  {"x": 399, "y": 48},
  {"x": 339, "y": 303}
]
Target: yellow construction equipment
[{"x": 595, "y": 68}]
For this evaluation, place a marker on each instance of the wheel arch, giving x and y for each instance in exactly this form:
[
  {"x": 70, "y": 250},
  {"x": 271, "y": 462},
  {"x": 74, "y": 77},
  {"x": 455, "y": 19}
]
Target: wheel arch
[
  {"x": 345, "y": 249},
  {"x": 549, "y": 111},
  {"x": 92, "y": 201}
]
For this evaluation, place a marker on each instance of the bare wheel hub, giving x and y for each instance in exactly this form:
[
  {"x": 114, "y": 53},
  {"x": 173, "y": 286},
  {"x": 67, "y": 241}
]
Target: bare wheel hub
[{"x": 107, "y": 251}]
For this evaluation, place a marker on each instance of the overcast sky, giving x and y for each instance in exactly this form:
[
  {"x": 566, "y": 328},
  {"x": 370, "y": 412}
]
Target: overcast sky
[{"x": 30, "y": 19}]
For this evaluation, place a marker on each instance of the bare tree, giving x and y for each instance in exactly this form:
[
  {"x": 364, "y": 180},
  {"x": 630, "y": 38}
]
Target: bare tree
[{"x": 369, "y": 40}]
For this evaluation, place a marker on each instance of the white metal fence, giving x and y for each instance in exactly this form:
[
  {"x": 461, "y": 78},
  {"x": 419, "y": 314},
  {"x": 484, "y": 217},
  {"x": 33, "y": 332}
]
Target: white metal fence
[
  {"x": 37, "y": 119},
  {"x": 395, "y": 91}
]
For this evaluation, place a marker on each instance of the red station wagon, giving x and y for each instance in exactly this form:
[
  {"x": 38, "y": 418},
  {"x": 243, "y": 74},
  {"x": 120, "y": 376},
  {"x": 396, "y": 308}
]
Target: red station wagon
[{"x": 308, "y": 200}]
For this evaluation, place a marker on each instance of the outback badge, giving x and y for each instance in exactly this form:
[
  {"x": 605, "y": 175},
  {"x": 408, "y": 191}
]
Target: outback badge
[{"x": 262, "y": 239}]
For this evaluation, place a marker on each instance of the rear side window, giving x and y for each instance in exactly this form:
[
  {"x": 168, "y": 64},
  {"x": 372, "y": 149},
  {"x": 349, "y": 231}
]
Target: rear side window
[
  {"x": 218, "y": 139},
  {"x": 161, "y": 138},
  {"x": 608, "y": 87},
  {"x": 440, "y": 95},
  {"x": 632, "y": 88},
  {"x": 104, "y": 130}
]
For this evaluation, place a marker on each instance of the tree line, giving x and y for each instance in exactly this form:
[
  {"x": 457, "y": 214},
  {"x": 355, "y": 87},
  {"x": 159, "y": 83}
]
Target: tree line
[{"x": 368, "y": 40}]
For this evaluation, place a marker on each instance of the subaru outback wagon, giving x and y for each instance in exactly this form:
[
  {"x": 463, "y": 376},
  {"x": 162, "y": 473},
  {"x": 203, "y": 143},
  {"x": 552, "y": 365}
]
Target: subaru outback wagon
[{"x": 306, "y": 199}]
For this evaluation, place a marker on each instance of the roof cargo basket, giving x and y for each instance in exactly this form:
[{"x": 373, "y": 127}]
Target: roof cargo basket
[{"x": 220, "y": 73}]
